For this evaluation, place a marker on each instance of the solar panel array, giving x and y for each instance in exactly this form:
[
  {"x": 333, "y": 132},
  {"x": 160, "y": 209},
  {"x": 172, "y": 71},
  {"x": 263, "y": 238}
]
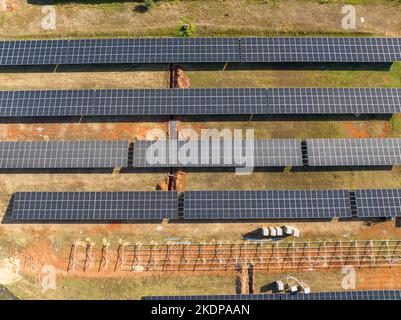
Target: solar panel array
[
  {"x": 217, "y": 153},
  {"x": 378, "y": 203},
  {"x": 160, "y": 102},
  {"x": 339, "y": 295},
  {"x": 205, "y": 205},
  {"x": 334, "y": 100},
  {"x": 94, "y": 206},
  {"x": 136, "y": 102},
  {"x": 314, "y": 49},
  {"x": 267, "y": 204},
  {"x": 179, "y": 50},
  {"x": 99, "y": 51},
  {"x": 354, "y": 152},
  {"x": 63, "y": 154}
]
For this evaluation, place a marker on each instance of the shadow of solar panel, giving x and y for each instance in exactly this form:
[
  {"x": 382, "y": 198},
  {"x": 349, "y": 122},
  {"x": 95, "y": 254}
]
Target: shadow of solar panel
[
  {"x": 94, "y": 206},
  {"x": 217, "y": 153},
  {"x": 354, "y": 152},
  {"x": 339, "y": 295},
  {"x": 314, "y": 49},
  {"x": 63, "y": 154},
  {"x": 267, "y": 204},
  {"x": 334, "y": 100},
  {"x": 378, "y": 203}
]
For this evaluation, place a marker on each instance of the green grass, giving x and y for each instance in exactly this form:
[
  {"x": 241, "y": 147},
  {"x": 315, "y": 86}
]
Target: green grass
[
  {"x": 125, "y": 287},
  {"x": 139, "y": 286},
  {"x": 234, "y": 77}
]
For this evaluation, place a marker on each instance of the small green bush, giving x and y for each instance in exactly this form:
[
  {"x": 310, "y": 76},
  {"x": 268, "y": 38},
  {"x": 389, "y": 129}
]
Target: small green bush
[
  {"x": 187, "y": 32},
  {"x": 149, "y": 4}
]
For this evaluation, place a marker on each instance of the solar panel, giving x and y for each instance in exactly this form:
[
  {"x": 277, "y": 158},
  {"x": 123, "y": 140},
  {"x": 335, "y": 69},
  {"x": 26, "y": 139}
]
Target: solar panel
[
  {"x": 141, "y": 102},
  {"x": 217, "y": 153},
  {"x": 47, "y": 103},
  {"x": 334, "y": 100},
  {"x": 63, "y": 154},
  {"x": 183, "y": 102},
  {"x": 218, "y": 101},
  {"x": 267, "y": 204},
  {"x": 339, "y": 295},
  {"x": 94, "y": 206},
  {"x": 198, "y": 50},
  {"x": 354, "y": 152},
  {"x": 33, "y": 52},
  {"x": 99, "y": 51},
  {"x": 314, "y": 49},
  {"x": 378, "y": 203}
]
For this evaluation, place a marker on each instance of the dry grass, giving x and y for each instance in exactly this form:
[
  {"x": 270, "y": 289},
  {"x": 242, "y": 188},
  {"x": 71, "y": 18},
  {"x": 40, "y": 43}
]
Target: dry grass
[
  {"x": 120, "y": 78},
  {"x": 235, "y": 17}
]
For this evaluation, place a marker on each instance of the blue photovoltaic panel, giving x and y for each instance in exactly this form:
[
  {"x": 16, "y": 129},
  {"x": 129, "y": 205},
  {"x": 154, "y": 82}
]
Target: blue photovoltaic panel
[
  {"x": 94, "y": 206},
  {"x": 33, "y": 52},
  {"x": 217, "y": 153},
  {"x": 63, "y": 154},
  {"x": 103, "y": 51},
  {"x": 198, "y": 50},
  {"x": 136, "y": 102},
  {"x": 151, "y": 50},
  {"x": 48, "y": 103},
  {"x": 339, "y": 295},
  {"x": 354, "y": 152},
  {"x": 182, "y": 102},
  {"x": 267, "y": 204},
  {"x": 314, "y": 49},
  {"x": 378, "y": 203},
  {"x": 217, "y": 101},
  {"x": 334, "y": 100}
]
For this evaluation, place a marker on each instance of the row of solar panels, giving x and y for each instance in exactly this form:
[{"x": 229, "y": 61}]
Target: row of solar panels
[
  {"x": 330, "y": 295},
  {"x": 161, "y": 102},
  {"x": 200, "y": 153},
  {"x": 205, "y": 205},
  {"x": 200, "y": 50}
]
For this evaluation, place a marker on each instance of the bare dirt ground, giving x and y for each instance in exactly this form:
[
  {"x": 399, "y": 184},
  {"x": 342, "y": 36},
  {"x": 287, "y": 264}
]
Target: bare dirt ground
[{"x": 235, "y": 17}]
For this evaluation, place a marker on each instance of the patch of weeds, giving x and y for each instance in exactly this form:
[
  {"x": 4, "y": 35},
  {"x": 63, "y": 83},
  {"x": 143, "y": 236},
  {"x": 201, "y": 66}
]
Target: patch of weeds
[{"x": 187, "y": 28}]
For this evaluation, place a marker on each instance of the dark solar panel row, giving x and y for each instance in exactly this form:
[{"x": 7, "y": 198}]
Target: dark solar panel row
[
  {"x": 354, "y": 152},
  {"x": 63, "y": 154},
  {"x": 339, "y": 295},
  {"x": 136, "y": 102},
  {"x": 200, "y": 50},
  {"x": 240, "y": 101},
  {"x": 316, "y": 49},
  {"x": 103, "y": 51},
  {"x": 94, "y": 206},
  {"x": 334, "y": 100},
  {"x": 266, "y": 204},
  {"x": 378, "y": 203},
  {"x": 200, "y": 153},
  {"x": 204, "y": 205}
]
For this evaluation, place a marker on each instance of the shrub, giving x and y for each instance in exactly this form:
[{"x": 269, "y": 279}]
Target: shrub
[{"x": 187, "y": 28}]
